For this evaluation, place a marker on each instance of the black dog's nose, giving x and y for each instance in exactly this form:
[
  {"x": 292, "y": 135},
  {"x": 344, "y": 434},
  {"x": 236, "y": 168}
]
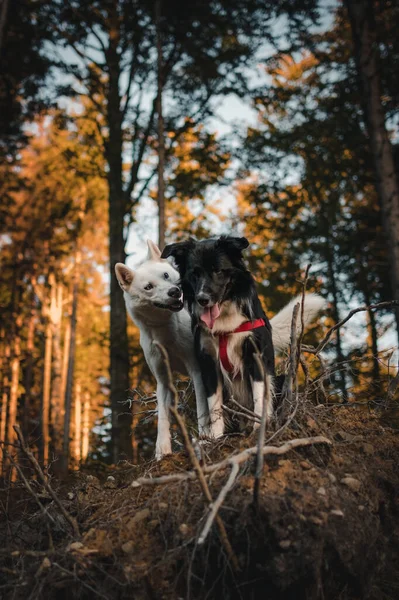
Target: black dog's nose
[
  {"x": 174, "y": 292},
  {"x": 203, "y": 299}
]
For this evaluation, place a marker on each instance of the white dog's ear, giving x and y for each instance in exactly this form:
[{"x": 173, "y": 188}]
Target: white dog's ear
[
  {"x": 154, "y": 252},
  {"x": 124, "y": 275}
]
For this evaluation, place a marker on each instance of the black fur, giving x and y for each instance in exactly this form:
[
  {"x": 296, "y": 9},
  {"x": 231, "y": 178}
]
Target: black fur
[{"x": 214, "y": 268}]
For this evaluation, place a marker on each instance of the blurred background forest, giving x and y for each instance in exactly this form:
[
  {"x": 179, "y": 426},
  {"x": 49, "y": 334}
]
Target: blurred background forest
[{"x": 276, "y": 119}]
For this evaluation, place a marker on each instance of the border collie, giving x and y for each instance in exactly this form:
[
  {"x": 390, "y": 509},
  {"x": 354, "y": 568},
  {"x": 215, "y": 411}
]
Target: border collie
[{"x": 228, "y": 320}]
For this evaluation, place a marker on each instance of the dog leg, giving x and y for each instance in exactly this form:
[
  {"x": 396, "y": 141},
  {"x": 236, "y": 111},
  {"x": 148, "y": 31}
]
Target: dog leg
[
  {"x": 202, "y": 404},
  {"x": 215, "y": 403},
  {"x": 261, "y": 392},
  {"x": 164, "y": 444},
  {"x": 212, "y": 382}
]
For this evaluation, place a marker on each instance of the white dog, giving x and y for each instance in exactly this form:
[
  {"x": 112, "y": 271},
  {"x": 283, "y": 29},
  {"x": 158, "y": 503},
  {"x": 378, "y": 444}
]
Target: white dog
[{"x": 154, "y": 301}]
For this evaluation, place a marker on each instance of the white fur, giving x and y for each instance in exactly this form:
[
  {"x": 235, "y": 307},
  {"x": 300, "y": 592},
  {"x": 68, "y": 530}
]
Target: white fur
[
  {"x": 171, "y": 329},
  {"x": 281, "y": 322}
]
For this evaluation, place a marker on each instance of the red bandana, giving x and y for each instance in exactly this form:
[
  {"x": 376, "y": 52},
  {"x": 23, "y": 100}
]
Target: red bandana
[{"x": 223, "y": 337}]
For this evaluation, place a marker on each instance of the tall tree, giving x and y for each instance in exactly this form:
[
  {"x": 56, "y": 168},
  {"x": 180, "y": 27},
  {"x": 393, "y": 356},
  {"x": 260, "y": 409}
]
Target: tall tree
[
  {"x": 366, "y": 51},
  {"x": 24, "y": 66}
]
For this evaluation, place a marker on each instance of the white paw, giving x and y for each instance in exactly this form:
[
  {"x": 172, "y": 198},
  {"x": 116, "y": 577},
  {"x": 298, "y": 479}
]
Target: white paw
[
  {"x": 163, "y": 448},
  {"x": 204, "y": 429},
  {"x": 216, "y": 429}
]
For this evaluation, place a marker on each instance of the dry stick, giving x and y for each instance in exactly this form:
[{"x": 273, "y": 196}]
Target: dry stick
[
  {"x": 304, "y": 284},
  {"x": 243, "y": 456},
  {"x": 244, "y": 408},
  {"x": 301, "y": 333},
  {"x": 261, "y": 438},
  {"x": 254, "y": 418},
  {"x": 218, "y": 503},
  {"x": 292, "y": 369},
  {"x": 29, "y": 487},
  {"x": 36, "y": 498},
  {"x": 392, "y": 387},
  {"x": 325, "y": 340},
  {"x": 194, "y": 460},
  {"x": 71, "y": 520}
]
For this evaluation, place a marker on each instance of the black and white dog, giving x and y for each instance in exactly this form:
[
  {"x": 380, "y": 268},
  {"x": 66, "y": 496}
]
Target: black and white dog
[{"x": 228, "y": 320}]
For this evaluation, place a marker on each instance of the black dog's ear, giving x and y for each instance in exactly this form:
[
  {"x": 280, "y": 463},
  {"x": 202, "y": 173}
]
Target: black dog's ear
[
  {"x": 178, "y": 251},
  {"x": 237, "y": 244}
]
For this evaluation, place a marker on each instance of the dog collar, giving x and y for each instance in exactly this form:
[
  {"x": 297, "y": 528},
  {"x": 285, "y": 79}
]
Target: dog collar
[{"x": 223, "y": 337}]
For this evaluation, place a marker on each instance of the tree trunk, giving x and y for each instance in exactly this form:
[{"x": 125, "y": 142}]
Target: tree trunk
[
  {"x": 56, "y": 401},
  {"x": 45, "y": 412},
  {"x": 65, "y": 359},
  {"x": 365, "y": 45},
  {"x": 28, "y": 375},
  {"x": 121, "y": 443},
  {"x": 14, "y": 387},
  {"x": 161, "y": 136},
  {"x": 78, "y": 422},
  {"x": 335, "y": 314},
  {"x": 3, "y": 21},
  {"x": 4, "y": 398},
  {"x": 86, "y": 426},
  {"x": 71, "y": 367}
]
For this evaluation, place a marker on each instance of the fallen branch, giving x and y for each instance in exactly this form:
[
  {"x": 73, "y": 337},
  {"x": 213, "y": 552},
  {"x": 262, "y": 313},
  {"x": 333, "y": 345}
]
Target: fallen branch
[
  {"x": 70, "y": 520},
  {"x": 240, "y": 458}
]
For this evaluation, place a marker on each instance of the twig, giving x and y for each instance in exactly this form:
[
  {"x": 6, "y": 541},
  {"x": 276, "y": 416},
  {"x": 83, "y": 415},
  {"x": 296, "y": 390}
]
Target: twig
[
  {"x": 302, "y": 331},
  {"x": 246, "y": 410},
  {"x": 254, "y": 418},
  {"x": 218, "y": 503},
  {"x": 292, "y": 369},
  {"x": 325, "y": 340},
  {"x": 194, "y": 460},
  {"x": 71, "y": 520},
  {"x": 34, "y": 495},
  {"x": 261, "y": 437},
  {"x": 392, "y": 387},
  {"x": 243, "y": 456}
]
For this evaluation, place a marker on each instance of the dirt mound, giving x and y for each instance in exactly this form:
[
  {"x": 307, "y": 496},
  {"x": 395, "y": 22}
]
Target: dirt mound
[{"x": 326, "y": 525}]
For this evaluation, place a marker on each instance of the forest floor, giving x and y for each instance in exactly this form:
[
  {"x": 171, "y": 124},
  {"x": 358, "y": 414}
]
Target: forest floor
[{"x": 326, "y": 524}]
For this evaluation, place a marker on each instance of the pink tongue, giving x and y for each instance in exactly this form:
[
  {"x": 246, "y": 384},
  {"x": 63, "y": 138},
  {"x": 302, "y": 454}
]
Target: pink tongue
[{"x": 210, "y": 315}]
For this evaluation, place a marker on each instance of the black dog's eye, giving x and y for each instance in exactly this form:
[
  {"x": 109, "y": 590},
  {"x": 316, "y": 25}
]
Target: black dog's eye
[
  {"x": 149, "y": 286},
  {"x": 166, "y": 275}
]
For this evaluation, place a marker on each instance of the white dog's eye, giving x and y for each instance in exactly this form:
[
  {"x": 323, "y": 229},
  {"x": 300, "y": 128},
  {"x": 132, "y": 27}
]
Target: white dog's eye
[
  {"x": 166, "y": 275},
  {"x": 149, "y": 286}
]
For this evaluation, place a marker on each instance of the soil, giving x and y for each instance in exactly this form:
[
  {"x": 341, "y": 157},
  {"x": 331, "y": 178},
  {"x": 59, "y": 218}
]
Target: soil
[{"x": 326, "y": 525}]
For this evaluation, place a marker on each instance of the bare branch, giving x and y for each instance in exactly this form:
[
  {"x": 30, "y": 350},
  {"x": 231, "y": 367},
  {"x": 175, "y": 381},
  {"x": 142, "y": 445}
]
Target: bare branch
[
  {"x": 326, "y": 339},
  {"x": 242, "y": 457}
]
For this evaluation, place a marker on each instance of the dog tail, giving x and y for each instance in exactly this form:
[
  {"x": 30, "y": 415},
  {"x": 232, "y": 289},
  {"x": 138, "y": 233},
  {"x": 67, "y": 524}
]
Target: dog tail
[{"x": 281, "y": 322}]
